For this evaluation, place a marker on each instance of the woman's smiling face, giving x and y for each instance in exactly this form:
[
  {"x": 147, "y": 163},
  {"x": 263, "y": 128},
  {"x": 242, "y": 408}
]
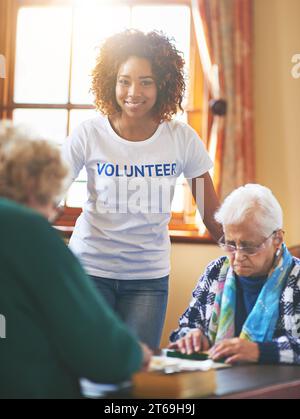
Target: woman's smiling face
[{"x": 136, "y": 89}]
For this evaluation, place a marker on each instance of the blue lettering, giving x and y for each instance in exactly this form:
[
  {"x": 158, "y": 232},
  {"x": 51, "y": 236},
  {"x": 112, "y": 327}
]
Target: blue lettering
[
  {"x": 111, "y": 172},
  {"x": 118, "y": 173},
  {"x": 150, "y": 167},
  {"x": 158, "y": 170},
  {"x": 101, "y": 166},
  {"x": 150, "y": 170},
  {"x": 131, "y": 171},
  {"x": 167, "y": 169},
  {"x": 140, "y": 171}
]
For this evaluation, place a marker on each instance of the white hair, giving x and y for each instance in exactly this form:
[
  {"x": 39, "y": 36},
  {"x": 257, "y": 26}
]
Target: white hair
[
  {"x": 11, "y": 133},
  {"x": 27, "y": 160},
  {"x": 7, "y": 133},
  {"x": 255, "y": 201}
]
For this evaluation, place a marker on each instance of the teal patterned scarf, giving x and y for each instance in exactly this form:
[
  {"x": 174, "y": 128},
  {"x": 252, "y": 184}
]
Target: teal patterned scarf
[{"x": 261, "y": 322}]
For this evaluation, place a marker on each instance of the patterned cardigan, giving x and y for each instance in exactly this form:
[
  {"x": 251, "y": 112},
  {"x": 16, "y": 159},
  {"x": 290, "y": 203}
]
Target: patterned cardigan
[{"x": 286, "y": 339}]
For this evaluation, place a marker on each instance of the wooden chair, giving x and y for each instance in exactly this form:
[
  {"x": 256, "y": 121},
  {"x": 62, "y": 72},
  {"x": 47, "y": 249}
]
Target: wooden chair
[
  {"x": 66, "y": 221},
  {"x": 295, "y": 251}
]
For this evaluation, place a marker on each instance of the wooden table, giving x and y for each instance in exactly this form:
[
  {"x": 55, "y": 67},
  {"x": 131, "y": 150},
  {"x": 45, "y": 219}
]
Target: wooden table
[
  {"x": 250, "y": 382},
  {"x": 259, "y": 381}
]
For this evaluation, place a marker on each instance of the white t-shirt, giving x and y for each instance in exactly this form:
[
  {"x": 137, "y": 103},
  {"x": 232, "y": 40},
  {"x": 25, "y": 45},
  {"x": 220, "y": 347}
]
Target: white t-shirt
[{"x": 122, "y": 232}]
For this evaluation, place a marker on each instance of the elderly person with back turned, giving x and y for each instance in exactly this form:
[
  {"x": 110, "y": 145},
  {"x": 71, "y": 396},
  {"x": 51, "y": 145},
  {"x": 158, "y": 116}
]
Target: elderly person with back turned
[
  {"x": 58, "y": 329},
  {"x": 246, "y": 306}
]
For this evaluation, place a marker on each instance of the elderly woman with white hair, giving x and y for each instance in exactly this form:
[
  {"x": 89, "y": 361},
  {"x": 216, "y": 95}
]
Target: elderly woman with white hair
[{"x": 246, "y": 305}]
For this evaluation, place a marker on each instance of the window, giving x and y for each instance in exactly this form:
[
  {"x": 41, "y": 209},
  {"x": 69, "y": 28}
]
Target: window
[{"x": 53, "y": 51}]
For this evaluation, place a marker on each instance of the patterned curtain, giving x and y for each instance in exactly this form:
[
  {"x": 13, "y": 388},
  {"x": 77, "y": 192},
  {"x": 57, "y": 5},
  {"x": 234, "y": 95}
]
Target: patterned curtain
[{"x": 224, "y": 34}]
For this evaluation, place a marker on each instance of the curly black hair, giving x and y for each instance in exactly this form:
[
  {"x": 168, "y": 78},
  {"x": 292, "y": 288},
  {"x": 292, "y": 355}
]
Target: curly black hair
[{"x": 167, "y": 66}]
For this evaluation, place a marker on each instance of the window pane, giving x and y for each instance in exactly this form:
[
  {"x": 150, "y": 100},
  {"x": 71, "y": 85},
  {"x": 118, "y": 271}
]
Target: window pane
[
  {"x": 50, "y": 124},
  {"x": 43, "y": 55},
  {"x": 174, "y": 21},
  {"x": 80, "y": 115},
  {"x": 91, "y": 25}
]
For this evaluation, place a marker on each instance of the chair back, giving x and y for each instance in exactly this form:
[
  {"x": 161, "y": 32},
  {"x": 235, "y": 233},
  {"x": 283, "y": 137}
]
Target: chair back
[{"x": 295, "y": 251}]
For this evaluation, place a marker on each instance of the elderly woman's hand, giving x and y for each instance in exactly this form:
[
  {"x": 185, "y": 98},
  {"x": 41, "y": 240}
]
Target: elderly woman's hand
[
  {"x": 194, "y": 341},
  {"x": 235, "y": 350}
]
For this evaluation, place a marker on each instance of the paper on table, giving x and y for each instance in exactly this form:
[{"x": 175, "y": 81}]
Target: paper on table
[{"x": 172, "y": 365}]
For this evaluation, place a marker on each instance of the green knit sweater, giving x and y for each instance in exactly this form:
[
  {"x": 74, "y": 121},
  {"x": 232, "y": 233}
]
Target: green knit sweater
[{"x": 58, "y": 329}]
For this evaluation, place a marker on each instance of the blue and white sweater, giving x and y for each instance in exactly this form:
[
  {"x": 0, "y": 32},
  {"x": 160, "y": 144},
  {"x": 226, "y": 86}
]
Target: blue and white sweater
[{"x": 285, "y": 346}]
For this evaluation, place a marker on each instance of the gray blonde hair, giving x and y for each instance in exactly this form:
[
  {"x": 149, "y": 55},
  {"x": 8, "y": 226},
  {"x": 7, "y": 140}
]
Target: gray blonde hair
[
  {"x": 29, "y": 167},
  {"x": 8, "y": 134},
  {"x": 255, "y": 201}
]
